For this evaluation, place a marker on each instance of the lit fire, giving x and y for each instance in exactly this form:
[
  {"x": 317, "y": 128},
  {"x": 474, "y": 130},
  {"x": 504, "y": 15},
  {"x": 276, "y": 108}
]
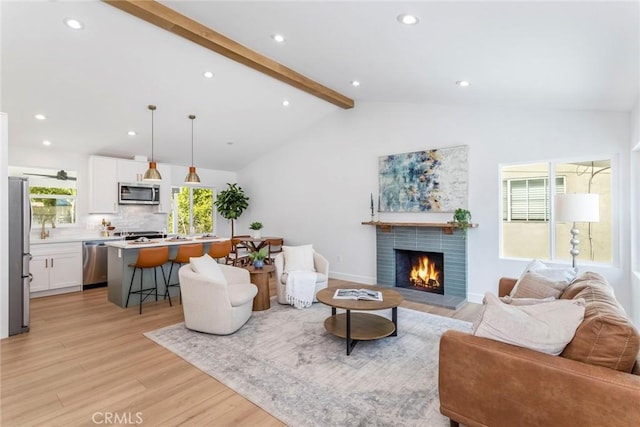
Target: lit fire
[{"x": 425, "y": 274}]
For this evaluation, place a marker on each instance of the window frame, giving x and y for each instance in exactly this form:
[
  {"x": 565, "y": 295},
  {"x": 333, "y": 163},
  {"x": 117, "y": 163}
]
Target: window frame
[
  {"x": 175, "y": 209},
  {"x": 614, "y": 231}
]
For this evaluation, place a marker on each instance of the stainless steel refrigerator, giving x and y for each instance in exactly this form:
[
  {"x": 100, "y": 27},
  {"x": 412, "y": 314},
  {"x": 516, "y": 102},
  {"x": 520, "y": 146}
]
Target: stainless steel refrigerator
[{"x": 19, "y": 256}]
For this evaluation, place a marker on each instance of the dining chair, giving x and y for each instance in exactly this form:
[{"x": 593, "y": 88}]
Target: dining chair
[
  {"x": 239, "y": 255},
  {"x": 275, "y": 247}
]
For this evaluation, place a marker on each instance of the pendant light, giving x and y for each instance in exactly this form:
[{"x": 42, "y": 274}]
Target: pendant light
[
  {"x": 152, "y": 173},
  {"x": 192, "y": 177}
]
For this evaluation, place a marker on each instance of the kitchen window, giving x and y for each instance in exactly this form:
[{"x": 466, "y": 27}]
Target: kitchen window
[
  {"x": 53, "y": 194},
  {"x": 528, "y": 226},
  {"x": 192, "y": 210}
]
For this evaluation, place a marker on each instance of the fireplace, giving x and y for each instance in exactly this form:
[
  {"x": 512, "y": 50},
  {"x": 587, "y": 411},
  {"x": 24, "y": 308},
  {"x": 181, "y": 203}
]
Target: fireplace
[{"x": 420, "y": 270}]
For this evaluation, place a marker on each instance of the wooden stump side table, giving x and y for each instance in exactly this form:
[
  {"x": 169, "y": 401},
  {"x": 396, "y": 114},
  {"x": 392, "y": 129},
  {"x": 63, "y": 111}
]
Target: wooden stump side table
[{"x": 260, "y": 278}]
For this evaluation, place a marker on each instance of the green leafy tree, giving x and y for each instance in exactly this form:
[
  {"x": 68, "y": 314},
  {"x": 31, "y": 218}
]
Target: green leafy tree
[{"x": 231, "y": 203}]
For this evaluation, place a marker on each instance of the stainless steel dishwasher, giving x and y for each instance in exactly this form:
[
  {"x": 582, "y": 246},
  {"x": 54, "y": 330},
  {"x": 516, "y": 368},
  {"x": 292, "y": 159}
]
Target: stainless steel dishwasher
[{"x": 94, "y": 263}]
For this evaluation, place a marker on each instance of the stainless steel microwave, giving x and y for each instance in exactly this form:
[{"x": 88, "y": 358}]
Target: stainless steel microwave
[{"x": 138, "y": 194}]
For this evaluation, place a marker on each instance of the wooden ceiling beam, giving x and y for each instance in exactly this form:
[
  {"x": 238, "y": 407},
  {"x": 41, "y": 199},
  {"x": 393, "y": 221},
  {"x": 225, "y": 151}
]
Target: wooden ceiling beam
[{"x": 170, "y": 20}]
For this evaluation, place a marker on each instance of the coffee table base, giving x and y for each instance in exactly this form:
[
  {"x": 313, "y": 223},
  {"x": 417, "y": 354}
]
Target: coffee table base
[{"x": 356, "y": 327}]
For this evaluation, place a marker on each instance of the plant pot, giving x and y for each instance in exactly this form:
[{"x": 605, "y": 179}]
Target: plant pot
[
  {"x": 258, "y": 263},
  {"x": 256, "y": 234}
]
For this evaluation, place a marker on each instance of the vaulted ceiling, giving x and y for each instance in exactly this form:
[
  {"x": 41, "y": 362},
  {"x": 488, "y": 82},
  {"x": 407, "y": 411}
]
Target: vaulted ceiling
[{"x": 94, "y": 84}]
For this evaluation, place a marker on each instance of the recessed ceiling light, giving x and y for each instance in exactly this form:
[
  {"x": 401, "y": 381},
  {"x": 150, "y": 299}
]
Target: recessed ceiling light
[
  {"x": 132, "y": 133},
  {"x": 279, "y": 38},
  {"x": 46, "y": 142},
  {"x": 40, "y": 117},
  {"x": 463, "y": 83},
  {"x": 229, "y": 142},
  {"x": 408, "y": 19},
  {"x": 285, "y": 103},
  {"x": 208, "y": 74},
  {"x": 74, "y": 24},
  {"x": 355, "y": 83}
]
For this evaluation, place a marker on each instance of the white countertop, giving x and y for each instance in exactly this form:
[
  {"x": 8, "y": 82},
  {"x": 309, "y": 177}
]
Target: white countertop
[
  {"x": 132, "y": 244},
  {"x": 69, "y": 239}
]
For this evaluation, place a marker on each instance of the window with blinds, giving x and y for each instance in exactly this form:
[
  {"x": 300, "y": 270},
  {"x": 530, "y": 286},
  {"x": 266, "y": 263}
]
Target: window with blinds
[
  {"x": 529, "y": 229},
  {"x": 528, "y": 199}
]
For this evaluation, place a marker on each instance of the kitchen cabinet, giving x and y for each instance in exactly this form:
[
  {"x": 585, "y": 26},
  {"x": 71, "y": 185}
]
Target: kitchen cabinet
[
  {"x": 103, "y": 188},
  {"x": 130, "y": 170},
  {"x": 56, "y": 268}
]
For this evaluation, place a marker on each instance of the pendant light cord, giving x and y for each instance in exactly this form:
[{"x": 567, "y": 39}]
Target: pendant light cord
[
  {"x": 192, "y": 117},
  {"x": 152, "y": 108}
]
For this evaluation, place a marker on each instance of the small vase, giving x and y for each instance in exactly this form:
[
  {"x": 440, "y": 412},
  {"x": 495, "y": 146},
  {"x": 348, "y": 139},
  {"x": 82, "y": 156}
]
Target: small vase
[
  {"x": 256, "y": 234},
  {"x": 259, "y": 263}
]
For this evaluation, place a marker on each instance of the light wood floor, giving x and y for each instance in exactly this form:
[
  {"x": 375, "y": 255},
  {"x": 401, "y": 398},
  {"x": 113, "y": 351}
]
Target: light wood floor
[{"x": 86, "y": 360}]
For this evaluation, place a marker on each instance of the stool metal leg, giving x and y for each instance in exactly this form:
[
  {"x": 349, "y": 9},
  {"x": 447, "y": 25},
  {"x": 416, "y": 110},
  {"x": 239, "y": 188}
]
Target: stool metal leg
[{"x": 130, "y": 286}]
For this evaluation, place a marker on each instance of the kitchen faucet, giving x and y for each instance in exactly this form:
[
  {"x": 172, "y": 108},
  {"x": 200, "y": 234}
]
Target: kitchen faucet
[{"x": 45, "y": 233}]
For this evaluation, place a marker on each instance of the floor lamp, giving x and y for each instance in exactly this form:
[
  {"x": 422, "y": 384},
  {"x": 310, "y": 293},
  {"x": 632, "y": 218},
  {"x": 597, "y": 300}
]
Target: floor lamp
[{"x": 577, "y": 207}]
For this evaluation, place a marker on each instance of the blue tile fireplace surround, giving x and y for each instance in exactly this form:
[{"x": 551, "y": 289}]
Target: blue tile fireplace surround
[{"x": 450, "y": 242}]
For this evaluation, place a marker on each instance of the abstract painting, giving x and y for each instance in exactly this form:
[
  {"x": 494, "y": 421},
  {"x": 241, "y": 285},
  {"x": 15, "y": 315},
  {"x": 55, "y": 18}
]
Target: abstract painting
[{"x": 424, "y": 181}]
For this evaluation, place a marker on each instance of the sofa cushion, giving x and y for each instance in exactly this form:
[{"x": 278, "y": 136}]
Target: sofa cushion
[
  {"x": 208, "y": 267},
  {"x": 525, "y": 301},
  {"x": 534, "y": 285},
  {"x": 298, "y": 258},
  {"x": 546, "y": 327},
  {"x": 553, "y": 274},
  {"x": 606, "y": 337}
]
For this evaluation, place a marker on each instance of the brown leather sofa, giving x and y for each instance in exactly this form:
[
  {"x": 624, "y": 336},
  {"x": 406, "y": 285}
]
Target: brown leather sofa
[{"x": 483, "y": 382}]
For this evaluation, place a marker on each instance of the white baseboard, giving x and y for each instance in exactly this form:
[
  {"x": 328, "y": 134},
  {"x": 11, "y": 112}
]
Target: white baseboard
[
  {"x": 365, "y": 280},
  {"x": 477, "y": 298}
]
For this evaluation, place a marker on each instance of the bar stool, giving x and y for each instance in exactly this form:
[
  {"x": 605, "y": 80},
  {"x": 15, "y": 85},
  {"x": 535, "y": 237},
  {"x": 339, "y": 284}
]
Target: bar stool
[
  {"x": 219, "y": 250},
  {"x": 148, "y": 258},
  {"x": 182, "y": 257}
]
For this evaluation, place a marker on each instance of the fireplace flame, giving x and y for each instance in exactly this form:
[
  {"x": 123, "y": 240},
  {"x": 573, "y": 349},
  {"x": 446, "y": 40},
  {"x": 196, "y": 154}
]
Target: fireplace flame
[{"x": 425, "y": 274}]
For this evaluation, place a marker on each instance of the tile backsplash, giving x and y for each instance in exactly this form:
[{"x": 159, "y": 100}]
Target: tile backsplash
[{"x": 130, "y": 218}]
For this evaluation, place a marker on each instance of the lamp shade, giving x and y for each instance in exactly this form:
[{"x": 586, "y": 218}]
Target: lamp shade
[{"x": 577, "y": 207}]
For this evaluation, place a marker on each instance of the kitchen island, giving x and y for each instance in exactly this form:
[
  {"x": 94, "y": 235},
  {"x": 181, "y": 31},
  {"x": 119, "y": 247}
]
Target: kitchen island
[{"x": 121, "y": 253}]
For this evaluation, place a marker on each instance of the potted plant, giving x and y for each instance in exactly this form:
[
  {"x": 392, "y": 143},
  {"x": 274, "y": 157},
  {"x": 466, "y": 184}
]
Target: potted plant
[
  {"x": 255, "y": 226},
  {"x": 258, "y": 257},
  {"x": 231, "y": 202},
  {"x": 462, "y": 218}
]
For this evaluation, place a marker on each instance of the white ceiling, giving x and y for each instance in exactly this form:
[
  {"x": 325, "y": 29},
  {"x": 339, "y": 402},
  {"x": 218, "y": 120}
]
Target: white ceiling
[{"x": 94, "y": 85}]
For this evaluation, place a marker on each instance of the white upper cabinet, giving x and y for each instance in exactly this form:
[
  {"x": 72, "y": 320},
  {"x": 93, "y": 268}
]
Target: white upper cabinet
[
  {"x": 131, "y": 170},
  {"x": 103, "y": 188}
]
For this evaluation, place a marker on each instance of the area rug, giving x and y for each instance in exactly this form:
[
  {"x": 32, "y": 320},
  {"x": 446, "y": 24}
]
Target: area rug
[{"x": 284, "y": 361}]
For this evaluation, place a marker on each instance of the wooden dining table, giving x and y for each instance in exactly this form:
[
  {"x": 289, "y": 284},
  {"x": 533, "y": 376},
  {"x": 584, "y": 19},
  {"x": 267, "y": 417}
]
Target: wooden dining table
[{"x": 255, "y": 244}]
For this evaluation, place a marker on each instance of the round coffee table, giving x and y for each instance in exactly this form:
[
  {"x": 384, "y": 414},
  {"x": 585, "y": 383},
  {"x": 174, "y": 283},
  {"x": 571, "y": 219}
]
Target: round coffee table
[{"x": 356, "y": 327}]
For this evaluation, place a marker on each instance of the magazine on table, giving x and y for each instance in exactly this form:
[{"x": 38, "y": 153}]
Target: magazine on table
[{"x": 358, "y": 294}]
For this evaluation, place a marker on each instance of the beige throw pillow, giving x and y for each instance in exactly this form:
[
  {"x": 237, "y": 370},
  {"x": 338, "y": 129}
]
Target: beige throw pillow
[
  {"x": 298, "y": 258},
  {"x": 533, "y": 285},
  {"x": 554, "y": 274},
  {"x": 547, "y": 327},
  {"x": 208, "y": 267}
]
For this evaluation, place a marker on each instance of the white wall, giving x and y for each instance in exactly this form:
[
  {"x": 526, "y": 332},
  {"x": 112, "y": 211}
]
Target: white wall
[
  {"x": 634, "y": 145},
  {"x": 4, "y": 228},
  {"x": 316, "y": 188}
]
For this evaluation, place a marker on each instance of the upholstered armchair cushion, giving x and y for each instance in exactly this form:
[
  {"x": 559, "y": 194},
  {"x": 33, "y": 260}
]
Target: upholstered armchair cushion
[
  {"x": 321, "y": 266},
  {"x": 213, "y": 306}
]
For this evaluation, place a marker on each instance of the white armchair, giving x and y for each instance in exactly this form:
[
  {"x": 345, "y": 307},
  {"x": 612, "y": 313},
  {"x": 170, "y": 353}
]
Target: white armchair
[
  {"x": 215, "y": 307},
  {"x": 322, "y": 275}
]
